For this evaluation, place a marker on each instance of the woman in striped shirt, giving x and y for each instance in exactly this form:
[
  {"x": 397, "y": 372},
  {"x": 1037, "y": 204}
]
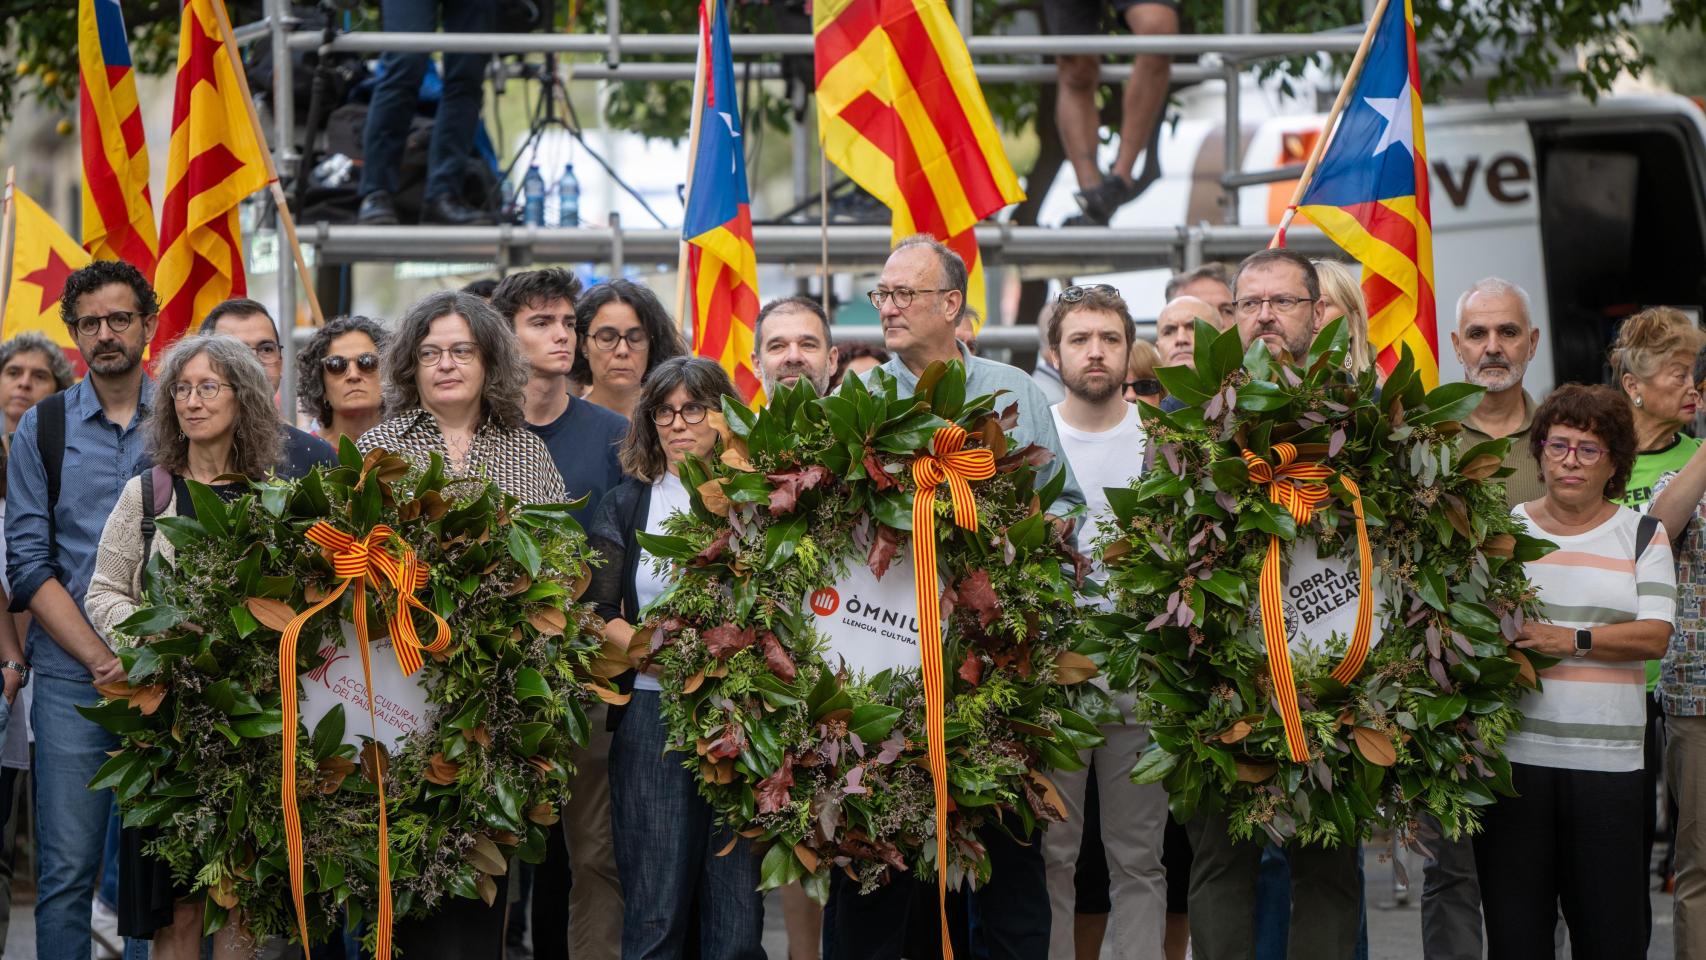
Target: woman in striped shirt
[{"x": 1571, "y": 838}]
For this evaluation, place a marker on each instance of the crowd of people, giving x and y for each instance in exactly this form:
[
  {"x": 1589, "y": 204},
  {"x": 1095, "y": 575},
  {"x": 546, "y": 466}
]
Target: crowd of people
[{"x": 555, "y": 393}]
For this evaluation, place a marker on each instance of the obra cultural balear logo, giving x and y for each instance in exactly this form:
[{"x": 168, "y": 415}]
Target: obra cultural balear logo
[{"x": 1320, "y": 600}]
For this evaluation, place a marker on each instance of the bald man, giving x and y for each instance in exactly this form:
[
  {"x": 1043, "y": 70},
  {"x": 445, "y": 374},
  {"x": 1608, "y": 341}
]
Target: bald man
[{"x": 1176, "y": 335}]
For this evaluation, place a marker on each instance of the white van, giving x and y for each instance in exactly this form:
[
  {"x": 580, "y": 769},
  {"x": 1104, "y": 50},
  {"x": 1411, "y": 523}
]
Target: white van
[{"x": 1596, "y": 209}]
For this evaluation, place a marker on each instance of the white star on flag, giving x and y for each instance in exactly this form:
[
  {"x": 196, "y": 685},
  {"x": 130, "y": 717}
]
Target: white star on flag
[{"x": 1399, "y": 128}]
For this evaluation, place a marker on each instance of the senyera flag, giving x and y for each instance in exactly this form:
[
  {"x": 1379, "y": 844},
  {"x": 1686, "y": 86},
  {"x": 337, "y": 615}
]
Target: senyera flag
[
  {"x": 900, "y": 111},
  {"x": 215, "y": 162},
  {"x": 43, "y": 257},
  {"x": 1370, "y": 195},
  {"x": 118, "y": 212},
  {"x": 722, "y": 269}
]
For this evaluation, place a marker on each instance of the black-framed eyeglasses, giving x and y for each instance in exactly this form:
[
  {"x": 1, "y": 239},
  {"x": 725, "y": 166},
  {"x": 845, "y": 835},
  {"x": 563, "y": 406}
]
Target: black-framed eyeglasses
[
  {"x": 366, "y": 363},
  {"x": 605, "y": 338},
  {"x": 463, "y": 353},
  {"x": 692, "y": 413},
  {"x": 903, "y": 296},
  {"x": 1077, "y": 292},
  {"x": 118, "y": 322},
  {"x": 266, "y": 351},
  {"x": 1587, "y": 454},
  {"x": 1250, "y": 306},
  {"x": 207, "y": 389},
  {"x": 1143, "y": 386}
]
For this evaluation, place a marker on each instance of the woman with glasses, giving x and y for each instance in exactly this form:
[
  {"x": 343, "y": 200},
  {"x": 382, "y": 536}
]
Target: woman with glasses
[
  {"x": 622, "y": 333},
  {"x": 1570, "y": 838},
  {"x": 453, "y": 385},
  {"x": 337, "y": 377},
  {"x": 667, "y": 841},
  {"x": 213, "y": 417}
]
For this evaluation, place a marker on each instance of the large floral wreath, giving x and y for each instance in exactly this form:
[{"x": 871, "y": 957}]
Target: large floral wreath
[
  {"x": 478, "y": 781},
  {"x": 823, "y": 765},
  {"x": 1418, "y": 728}
]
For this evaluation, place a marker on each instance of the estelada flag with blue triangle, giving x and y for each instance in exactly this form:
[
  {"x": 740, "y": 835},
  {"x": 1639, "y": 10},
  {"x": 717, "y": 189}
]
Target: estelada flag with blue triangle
[
  {"x": 722, "y": 268},
  {"x": 1369, "y": 195}
]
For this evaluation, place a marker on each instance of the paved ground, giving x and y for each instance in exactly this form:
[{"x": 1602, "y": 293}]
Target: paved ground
[{"x": 1394, "y": 920}]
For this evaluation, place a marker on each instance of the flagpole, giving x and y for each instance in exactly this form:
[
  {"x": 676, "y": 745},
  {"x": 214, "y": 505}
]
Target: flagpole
[
  {"x": 823, "y": 217},
  {"x": 681, "y": 278},
  {"x": 285, "y": 220},
  {"x": 1332, "y": 121},
  {"x": 6, "y": 218}
]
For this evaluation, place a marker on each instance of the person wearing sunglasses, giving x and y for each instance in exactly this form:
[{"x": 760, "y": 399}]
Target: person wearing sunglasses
[
  {"x": 216, "y": 420},
  {"x": 249, "y": 321},
  {"x": 1570, "y": 838},
  {"x": 1092, "y": 334},
  {"x": 623, "y": 332},
  {"x": 539, "y": 306},
  {"x": 1141, "y": 385},
  {"x": 682, "y": 872},
  {"x": 337, "y": 376}
]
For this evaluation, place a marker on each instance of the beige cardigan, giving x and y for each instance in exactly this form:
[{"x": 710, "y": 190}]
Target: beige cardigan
[{"x": 115, "y": 590}]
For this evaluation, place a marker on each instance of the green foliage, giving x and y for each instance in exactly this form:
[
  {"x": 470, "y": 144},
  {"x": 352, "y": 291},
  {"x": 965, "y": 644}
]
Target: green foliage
[
  {"x": 816, "y": 763},
  {"x": 1420, "y": 728},
  {"x": 480, "y": 781}
]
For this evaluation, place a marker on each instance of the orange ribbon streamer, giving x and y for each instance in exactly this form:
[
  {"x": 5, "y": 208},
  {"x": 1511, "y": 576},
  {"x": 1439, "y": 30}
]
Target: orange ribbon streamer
[
  {"x": 356, "y": 562},
  {"x": 947, "y": 462},
  {"x": 1300, "y": 488}
]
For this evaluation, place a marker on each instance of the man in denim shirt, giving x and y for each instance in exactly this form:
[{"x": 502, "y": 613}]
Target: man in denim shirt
[{"x": 112, "y": 311}]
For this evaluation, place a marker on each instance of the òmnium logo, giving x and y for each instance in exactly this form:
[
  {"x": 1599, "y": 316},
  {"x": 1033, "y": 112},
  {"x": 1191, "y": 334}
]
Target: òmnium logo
[
  {"x": 870, "y": 624},
  {"x": 825, "y": 602}
]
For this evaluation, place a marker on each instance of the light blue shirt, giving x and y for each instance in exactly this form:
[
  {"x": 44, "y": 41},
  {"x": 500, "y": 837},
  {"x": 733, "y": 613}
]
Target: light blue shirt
[
  {"x": 100, "y": 457},
  {"x": 1036, "y": 421}
]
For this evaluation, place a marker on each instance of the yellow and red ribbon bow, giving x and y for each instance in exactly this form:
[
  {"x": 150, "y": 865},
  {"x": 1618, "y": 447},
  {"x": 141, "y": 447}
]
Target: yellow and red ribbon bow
[
  {"x": 1300, "y": 488},
  {"x": 958, "y": 467},
  {"x": 356, "y": 562}
]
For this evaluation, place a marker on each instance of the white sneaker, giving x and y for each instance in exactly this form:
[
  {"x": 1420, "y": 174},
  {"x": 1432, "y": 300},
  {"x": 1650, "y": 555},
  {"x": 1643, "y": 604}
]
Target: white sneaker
[{"x": 103, "y": 926}]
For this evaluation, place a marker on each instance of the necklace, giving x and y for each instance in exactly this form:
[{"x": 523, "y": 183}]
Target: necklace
[{"x": 459, "y": 451}]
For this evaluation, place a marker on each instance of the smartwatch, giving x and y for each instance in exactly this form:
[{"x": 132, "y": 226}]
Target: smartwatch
[{"x": 1584, "y": 643}]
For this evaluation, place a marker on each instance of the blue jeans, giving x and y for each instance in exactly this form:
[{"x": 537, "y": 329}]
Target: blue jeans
[
  {"x": 1273, "y": 907},
  {"x": 71, "y": 819},
  {"x": 666, "y": 852},
  {"x": 396, "y": 97}
]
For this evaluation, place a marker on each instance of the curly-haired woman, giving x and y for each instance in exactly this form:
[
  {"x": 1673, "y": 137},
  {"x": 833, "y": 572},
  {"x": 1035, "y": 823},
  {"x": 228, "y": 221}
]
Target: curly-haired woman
[
  {"x": 220, "y": 421},
  {"x": 337, "y": 377},
  {"x": 1570, "y": 838},
  {"x": 453, "y": 385}
]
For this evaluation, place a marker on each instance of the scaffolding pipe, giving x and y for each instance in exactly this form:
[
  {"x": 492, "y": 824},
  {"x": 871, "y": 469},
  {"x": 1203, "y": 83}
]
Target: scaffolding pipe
[
  {"x": 629, "y": 71},
  {"x": 284, "y": 133},
  {"x": 1233, "y": 46}
]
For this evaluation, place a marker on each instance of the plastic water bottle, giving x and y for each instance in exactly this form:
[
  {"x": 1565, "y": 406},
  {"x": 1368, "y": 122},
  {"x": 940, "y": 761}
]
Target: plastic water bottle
[
  {"x": 533, "y": 192},
  {"x": 568, "y": 198}
]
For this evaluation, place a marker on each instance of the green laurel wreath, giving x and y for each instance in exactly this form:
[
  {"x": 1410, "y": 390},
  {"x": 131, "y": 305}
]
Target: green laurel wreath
[
  {"x": 1420, "y": 729},
  {"x": 200, "y": 720},
  {"x": 825, "y": 770}
]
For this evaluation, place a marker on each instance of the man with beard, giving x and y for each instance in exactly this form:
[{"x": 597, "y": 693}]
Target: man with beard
[
  {"x": 1495, "y": 339},
  {"x": 1092, "y": 332},
  {"x": 1277, "y": 300},
  {"x": 791, "y": 341},
  {"x": 94, "y": 431}
]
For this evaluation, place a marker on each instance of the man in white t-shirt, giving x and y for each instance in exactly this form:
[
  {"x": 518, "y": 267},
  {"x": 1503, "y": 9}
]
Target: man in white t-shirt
[{"x": 1091, "y": 331}]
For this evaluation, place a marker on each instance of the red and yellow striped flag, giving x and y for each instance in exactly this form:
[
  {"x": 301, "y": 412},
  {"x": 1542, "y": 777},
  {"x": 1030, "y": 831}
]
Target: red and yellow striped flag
[
  {"x": 118, "y": 212},
  {"x": 43, "y": 257},
  {"x": 215, "y": 162},
  {"x": 901, "y": 112}
]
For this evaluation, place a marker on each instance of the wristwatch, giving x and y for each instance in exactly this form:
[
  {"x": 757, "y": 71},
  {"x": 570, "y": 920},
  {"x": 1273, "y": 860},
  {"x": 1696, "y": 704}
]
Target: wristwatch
[
  {"x": 22, "y": 669},
  {"x": 1584, "y": 643}
]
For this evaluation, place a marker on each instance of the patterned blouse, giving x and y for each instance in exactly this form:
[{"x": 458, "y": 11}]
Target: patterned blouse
[
  {"x": 1682, "y": 676},
  {"x": 515, "y": 460}
]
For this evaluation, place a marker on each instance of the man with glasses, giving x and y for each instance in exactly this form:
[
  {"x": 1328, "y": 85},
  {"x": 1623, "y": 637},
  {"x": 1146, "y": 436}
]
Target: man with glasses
[
  {"x": 918, "y": 297},
  {"x": 791, "y": 342},
  {"x": 249, "y": 321},
  {"x": 1277, "y": 300},
  {"x": 53, "y": 529},
  {"x": 582, "y": 436},
  {"x": 1091, "y": 332}
]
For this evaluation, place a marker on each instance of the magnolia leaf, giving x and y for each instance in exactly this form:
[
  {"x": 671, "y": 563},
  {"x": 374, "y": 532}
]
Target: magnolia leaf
[
  {"x": 807, "y": 858},
  {"x": 488, "y": 889},
  {"x": 333, "y": 770},
  {"x": 712, "y": 496},
  {"x": 549, "y": 621},
  {"x": 1525, "y": 669},
  {"x": 147, "y": 699},
  {"x": 728, "y": 848},
  {"x": 271, "y": 613},
  {"x": 1376, "y": 747},
  {"x": 1250, "y": 772},
  {"x": 1455, "y": 513},
  {"x": 1050, "y": 794},
  {"x": 693, "y": 683},
  {"x": 375, "y": 761},
  {"x": 544, "y": 814},
  {"x": 1499, "y": 545},
  {"x": 442, "y": 771},
  {"x": 1481, "y": 467},
  {"x": 612, "y": 697},
  {"x": 486, "y": 857},
  {"x": 1235, "y": 733},
  {"x": 1072, "y": 667},
  {"x": 223, "y": 893},
  {"x": 735, "y": 455}
]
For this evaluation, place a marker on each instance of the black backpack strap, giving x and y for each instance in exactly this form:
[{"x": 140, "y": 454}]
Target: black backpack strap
[
  {"x": 156, "y": 496},
  {"x": 50, "y": 443},
  {"x": 1645, "y": 531}
]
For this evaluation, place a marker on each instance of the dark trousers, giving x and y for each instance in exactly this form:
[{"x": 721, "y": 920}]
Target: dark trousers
[
  {"x": 1569, "y": 839},
  {"x": 550, "y": 900},
  {"x": 396, "y": 97},
  {"x": 1326, "y": 896},
  {"x": 1012, "y": 908},
  {"x": 460, "y": 928}
]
